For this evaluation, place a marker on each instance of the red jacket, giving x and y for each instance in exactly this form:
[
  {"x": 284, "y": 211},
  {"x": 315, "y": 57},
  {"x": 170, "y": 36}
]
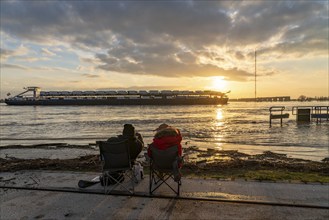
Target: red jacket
[{"x": 165, "y": 142}]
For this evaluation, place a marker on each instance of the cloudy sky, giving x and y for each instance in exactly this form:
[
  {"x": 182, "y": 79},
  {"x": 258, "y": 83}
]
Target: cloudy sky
[{"x": 189, "y": 45}]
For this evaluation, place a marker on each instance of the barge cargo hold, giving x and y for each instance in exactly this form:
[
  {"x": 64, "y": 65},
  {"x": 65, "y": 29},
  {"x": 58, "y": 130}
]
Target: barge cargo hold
[{"x": 121, "y": 97}]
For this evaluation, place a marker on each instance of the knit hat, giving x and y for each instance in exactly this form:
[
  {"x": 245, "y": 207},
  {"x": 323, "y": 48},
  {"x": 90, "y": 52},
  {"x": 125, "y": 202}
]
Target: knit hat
[{"x": 161, "y": 127}]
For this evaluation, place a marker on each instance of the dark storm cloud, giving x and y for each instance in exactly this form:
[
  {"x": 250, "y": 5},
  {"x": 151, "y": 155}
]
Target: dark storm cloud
[{"x": 173, "y": 38}]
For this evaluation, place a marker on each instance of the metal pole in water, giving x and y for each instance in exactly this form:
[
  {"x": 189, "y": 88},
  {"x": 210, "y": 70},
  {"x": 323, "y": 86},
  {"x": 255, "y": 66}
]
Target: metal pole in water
[{"x": 255, "y": 78}]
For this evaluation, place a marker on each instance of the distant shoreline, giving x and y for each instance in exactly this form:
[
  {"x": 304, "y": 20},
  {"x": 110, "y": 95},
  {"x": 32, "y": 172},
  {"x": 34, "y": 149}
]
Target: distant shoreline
[{"x": 291, "y": 100}]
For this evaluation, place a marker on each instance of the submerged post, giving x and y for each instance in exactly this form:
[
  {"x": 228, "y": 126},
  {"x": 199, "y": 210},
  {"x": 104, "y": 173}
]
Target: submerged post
[{"x": 303, "y": 114}]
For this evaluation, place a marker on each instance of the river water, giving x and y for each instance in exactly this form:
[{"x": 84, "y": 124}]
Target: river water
[{"x": 242, "y": 126}]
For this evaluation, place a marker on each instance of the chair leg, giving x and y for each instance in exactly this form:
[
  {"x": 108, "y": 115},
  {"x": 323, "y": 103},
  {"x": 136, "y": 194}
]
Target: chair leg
[
  {"x": 158, "y": 178},
  {"x": 103, "y": 183},
  {"x": 105, "y": 179},
  {"x": 151, "y": 179},
  {"x": 133, "y": 177}
]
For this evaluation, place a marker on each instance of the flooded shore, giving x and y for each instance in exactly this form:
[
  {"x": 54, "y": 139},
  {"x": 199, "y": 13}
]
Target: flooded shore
[{"x": 197, "y": 162}]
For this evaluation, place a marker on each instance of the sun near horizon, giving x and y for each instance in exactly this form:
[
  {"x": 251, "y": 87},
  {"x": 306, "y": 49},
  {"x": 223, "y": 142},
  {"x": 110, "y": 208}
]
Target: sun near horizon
[{"x": 219, "y": 84}]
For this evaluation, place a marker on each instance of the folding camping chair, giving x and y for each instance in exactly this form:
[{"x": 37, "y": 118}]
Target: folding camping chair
[
  {"x": 116, "y": 166},
  {"x": 164, "y": 169}
]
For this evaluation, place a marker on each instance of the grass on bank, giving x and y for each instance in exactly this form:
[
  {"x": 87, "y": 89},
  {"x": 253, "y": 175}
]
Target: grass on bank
[{"x": 263, "y": 175}]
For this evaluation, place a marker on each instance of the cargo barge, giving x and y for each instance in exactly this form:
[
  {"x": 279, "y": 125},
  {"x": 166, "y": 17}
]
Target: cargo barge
[{"x": 34, "y": 96}]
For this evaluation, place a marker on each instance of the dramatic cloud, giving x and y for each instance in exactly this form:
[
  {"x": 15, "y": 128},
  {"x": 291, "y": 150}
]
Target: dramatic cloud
[
  {"x": 24, "y": 54},
  {"x": 173, "y": 38},
  {"x": 88, "y": 75},
  {"x": 18, "y": 52},
  {"x": 47, "y": 52},
  {"x": 12, "y": 66},
  {"x": 4, "y": 54}
]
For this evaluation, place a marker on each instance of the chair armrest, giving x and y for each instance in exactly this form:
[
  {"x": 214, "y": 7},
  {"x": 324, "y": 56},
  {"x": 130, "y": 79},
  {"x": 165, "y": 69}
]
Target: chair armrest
[{"x": 180, "y": 159}]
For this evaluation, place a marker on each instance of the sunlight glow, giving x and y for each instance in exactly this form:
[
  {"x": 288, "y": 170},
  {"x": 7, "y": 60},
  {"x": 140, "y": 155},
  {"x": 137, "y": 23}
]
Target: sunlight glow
[{"x": 219, "y": 83}]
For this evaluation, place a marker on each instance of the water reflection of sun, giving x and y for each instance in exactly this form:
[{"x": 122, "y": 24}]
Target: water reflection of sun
[
  {"x": 219, "y": 114},
  {"x": 219, "y": 119},
  {"x": 219, "y": 124}
]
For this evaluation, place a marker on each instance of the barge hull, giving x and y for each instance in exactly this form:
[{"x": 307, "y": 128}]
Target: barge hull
[{"x": 204, "y": 101}]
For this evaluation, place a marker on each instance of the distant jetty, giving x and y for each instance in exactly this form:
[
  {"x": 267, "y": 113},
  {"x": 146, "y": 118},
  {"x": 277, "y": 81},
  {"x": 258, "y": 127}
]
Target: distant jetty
[
  {"x": 281, "y": 99},
  {"x": 264, "y": 99}
]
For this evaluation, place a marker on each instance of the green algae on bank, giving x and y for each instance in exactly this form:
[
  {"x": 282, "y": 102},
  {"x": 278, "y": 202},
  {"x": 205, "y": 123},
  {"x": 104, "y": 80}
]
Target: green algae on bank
[
  {"x": 263, "y": 175},
  {"x": 211, "y": 163}
]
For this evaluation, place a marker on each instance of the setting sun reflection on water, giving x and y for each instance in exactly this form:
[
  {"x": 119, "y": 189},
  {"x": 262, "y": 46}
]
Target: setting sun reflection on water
[{"x": 241, "y": 126}]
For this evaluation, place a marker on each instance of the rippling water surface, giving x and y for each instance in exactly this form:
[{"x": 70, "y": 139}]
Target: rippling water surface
[{"x": 241, "y": 126}]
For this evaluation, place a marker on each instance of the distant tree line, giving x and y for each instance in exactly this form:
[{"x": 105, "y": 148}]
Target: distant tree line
[{"x": 304, "y": 98}]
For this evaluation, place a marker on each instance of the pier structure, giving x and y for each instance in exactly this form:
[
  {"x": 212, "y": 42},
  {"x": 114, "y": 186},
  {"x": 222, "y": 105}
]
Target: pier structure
[
  {"x": 264, "y": 99},
  {"x": 307, "y": 113},
  {"x": 304, "y": 114}
]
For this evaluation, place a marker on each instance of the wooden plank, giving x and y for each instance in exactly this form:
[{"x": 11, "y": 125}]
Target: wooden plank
[
  {"x": 279, "y": 116},
  {"x": 320, "y": 115}
]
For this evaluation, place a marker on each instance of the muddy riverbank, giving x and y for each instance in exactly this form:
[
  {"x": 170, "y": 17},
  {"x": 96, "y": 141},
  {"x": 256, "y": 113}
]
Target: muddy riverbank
[{"x": 197, "y": 162}]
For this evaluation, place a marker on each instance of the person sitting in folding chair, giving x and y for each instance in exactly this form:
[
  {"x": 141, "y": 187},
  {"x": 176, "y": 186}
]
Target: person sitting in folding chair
[
  {"x": 165, "y": 137},
  {"x": 133, "y": 139},
  {"x": 134, "y": 143},
  {"x": 165, "y": 154}
]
